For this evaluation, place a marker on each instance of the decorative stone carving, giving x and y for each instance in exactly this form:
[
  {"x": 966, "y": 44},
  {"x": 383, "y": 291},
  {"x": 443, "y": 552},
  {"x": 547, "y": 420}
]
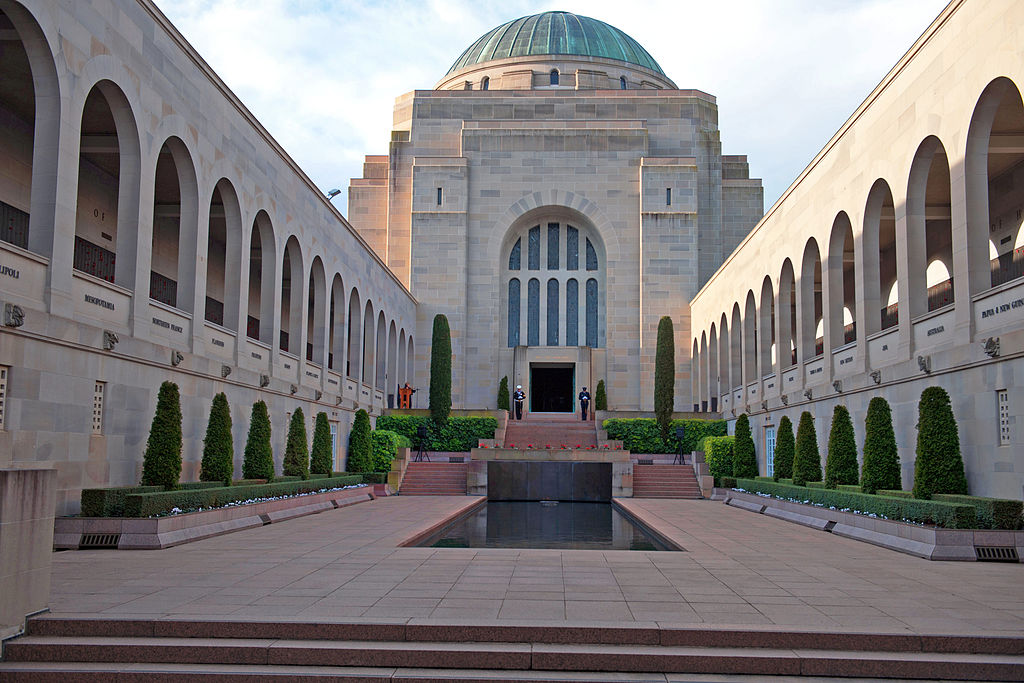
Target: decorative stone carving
[
  {"x": 876, "y": 376},
  {"x": 176, "y": 358},
  {"x": 838, "y": 386},
  {"x": 785, "y": 400},
  {"x": 808, "y": 394},
  {"x": 293, "y": 389},
  {"x": 110, "y": 340},
  {"x": 225, "y": 370},
  {"x": 317, "y": 394},
  {"x": 14, "y": 316},
  {"x": 337, "y": 401},
  {"x": 764, "y": 405},
  {"x": 264, "y": 381},
  {"x": 924, "y": 363},
  {"x": 991, "y": 347}
]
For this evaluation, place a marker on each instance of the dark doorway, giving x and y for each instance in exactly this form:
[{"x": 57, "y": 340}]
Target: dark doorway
[{"x": 551, "y": 388}]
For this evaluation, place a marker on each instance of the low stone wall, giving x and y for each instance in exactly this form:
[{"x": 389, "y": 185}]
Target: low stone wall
[
  {"x": 27, "y": 501},
  {"x": 932, "y": 543},
  {"x": 152, "y": 533}
]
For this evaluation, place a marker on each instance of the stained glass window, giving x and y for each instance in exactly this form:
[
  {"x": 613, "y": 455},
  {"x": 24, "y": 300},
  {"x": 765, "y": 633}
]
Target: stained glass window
[
  {"x": 534, "y": 248},
  {"x": 513, "y": 312},
  {"x": 591, "y": 311},
  {"x": 591, "y": 256},
  {"x": 552, "y": 246},
  {"x": 553, "y": 312},
  {"x": 572, "y": 313},
  {"x": 516, "y": 256},
  {"x": 533, "y": 312},
  {"x": 572, "y": 248}
]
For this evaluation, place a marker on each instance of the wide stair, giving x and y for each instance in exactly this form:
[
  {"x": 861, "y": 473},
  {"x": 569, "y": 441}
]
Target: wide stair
[
  {"x": 665, "y": 481},
  {"x": 67, "y": 649},
  {"x": 434, "y": 479},
  {"x": 541, "y": 430}
]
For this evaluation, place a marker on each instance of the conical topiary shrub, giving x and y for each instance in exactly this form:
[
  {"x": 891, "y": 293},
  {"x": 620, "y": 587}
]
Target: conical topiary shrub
[
  {"x": 218, "y": 446},
  {"x": 359, "y": 444},
  {"x": 664, "y": 376},
  {"x": 258, "y": 462},
  {"x": 881, "y": 458},
  {"x": 600, "y": 397},
  {"x": 939, "y": 467},
  {"x": 296, "y": 448},
  {"x": 806, "y": 460},
  {"x": 784, "y": 449},
  {"x": 321, "y": 461},
  {"x": 440, "y": 370},
  {"x": 503, "y": 400},
  {"x": 841, "y": 461},
  {"x": 161, "y": 465},
  {"x": 744, "y": 459}
]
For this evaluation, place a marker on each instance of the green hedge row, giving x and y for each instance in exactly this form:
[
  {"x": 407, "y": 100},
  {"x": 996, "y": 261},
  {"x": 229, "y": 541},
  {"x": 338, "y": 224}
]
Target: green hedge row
[
  {"x": 718, "y": 455},
  {"x": 455, "y": 434},
  {"x": 949, "y": 515},
  {"x": 641, "y": 434},
  {"x": 384, "y": 445},
  {"x": 109, "y": 502},
  {"x": 993, "y": 513},
  {"x": 150, "y": 504},
  {"x": 373, "y": 477}
]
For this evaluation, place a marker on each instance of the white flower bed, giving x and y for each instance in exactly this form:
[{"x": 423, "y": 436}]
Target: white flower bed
[
  {"x": 872, "y": 515},
  {"x": 237, "y": 503}
]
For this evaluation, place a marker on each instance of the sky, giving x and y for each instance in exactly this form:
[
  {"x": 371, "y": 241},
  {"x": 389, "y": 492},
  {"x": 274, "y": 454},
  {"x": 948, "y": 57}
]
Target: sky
[{"x": 322, "y": 75}]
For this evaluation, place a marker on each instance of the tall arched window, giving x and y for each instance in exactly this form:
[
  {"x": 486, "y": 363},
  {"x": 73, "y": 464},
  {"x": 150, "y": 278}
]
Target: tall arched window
[
  {"x": 554, "y": 77},
  {"x": 622, "y": 82},
  {"x": 572, "y": 313},
  {"x": 533, "y": 312},
  {"x": 592, "y": 312},
  {"x": 553, "y": 317},
  {"x": 485, "y": 84},
  {"x": 513, "y": 311}
]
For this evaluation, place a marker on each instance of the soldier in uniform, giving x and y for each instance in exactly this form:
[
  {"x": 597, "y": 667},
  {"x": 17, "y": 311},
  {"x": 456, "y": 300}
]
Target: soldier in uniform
[
  {"x": 584, "y": 399},
  {"x": 518, "y": 396}
]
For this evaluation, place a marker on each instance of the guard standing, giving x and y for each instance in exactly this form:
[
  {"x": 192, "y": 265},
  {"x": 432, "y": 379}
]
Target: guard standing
[
  {"x": 518, "y": 396},
  {"x": 584, "y": 399},
  {"x": 405, "y": 396}
]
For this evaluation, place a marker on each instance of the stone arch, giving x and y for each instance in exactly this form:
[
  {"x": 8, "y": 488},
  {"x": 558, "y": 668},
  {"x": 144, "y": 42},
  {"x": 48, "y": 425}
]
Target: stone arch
[
  {"x": 410, "y": 363},
  {"x": 842, "y": 286},
  {"x": 750, "y": 339},
  {"x": 336, "y": 343},
  {"x": 175, "y": 226},
  {"x": 292, "y": 282},
  {"x": 880, "y": 260},
  {"x": 381, "y": 353},
  {"x": 787, "y": 332},
  {"x": 393, "y": 374},
  {"x": 714, "y": 369},
  {"x": 736, "y": 348},
  {"x": 262, "y": 276},
  {"x": 810, "y": 303},
  {"x": 354, "y": 338},
  {"x": 929, "y": 226},
  {"x": 403, "y": 366},
  {"x": 316, "y": 311},
  {"x": 223, "y": 257},
  {"x": 368, "y": 345},
  {"x": 705, "y": 379},
  {"x": 695, "y": 375},
  {"x": 767, "y": 353}
]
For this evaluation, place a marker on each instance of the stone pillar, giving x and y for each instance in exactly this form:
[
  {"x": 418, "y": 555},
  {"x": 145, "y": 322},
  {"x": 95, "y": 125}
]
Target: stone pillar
[{"x": 28, "y": 498}]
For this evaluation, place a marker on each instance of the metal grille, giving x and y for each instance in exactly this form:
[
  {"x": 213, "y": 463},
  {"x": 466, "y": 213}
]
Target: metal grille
[
  {"x": 99, "y": 541},
  {"x": 97, "y": 408},
  {"x": 456, "y": 458},
  {"x": 996, "y": 553},
  {"x": 1003, "y": 399},
  {"x": 3, "y": 394},
  {"x": 644, "y": 461}
]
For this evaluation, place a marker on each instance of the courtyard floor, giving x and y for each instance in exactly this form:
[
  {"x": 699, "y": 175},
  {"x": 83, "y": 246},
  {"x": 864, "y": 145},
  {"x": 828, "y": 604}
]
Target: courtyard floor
[{"x": 739, "y": 568}]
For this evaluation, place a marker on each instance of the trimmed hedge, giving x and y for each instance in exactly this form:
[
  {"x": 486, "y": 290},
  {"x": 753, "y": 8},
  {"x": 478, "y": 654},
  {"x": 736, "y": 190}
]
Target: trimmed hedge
[
  {"x": 718, "y": 455},
  {"x": 440, "y": 370},
  {"x": 806, "y": 460},
  {"x": 727, "y": 482},
  {"x": 993, "y": 513},
  {"x": 816, "y": 485},
  {"x": 881, "y": 468},
  {"x": 161, "y": 463},
  {"x": 503, "y": 400},
  {"x": 664, "y": 376},
  {"x": 360, "y": 445},
  {"x": 321, "y": 459},
  {"x": 600, "y": 396},
  {"x": 258, "y": 461},
  {"x": 939, "y": 467},
  {"x": 109, "y": 502},
  {"x": 372, "y": 477},
  {"x": 641, "y": 435},
  {"x": 744, "y": 458},
  {"x": 150, "y": 504},
  {"x": 457, "y": 434},
  {"x": 948, "y": 515},
  {"x": 384, "y": 446},
  {"x": 785, "y": 447},
  {"x": 898, "y": 493},
  {"x": 841, "y": 461},
  {"x": 852, "y": 488},
  {"x": 296, "y": 447},
  {"x": 218, "y": 446}
]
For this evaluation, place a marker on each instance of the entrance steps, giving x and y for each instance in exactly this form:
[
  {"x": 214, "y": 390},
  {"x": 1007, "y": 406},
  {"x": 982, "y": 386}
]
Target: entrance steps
[
  {"x": 550, "y": 429},
  {"x": 665, "y": 481},
  {"x": 434, "y": 479},
  {"x": 58, "y": 649}
]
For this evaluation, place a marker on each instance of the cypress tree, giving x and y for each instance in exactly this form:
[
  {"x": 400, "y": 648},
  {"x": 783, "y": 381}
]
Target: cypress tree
[
  {"x": 258, "y": 462},
  {"x": 218, "y": 446},
  {"x": 503, "y": 400},
  {"x": 161, "y": 465},
  {"x": 841, "y": 461},
  {"x": 939, "y": 467},
  {"x": 600, "y": 397},
  {"x": 784, "y": 450},
  {"x": 321, "y": 461},
  {"x": 440, "y": 370},
  {"x": 881, "y": 458},
  {"x": 664, "y": 376},
  {"x": 296, "y": 448},
  {"x": 806, "y": 460},
  {"x": 744, "y": 459},
  {"x": 359, "y": 444}
]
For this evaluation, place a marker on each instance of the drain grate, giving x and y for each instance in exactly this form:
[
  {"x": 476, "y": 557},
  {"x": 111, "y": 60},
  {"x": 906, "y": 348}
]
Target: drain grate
[
  {"x": 92, "y": 541},
  {"x": 456, "y": 458},
  {"x": 996, "y": 553},
  {"x": 644, "y": 461}
]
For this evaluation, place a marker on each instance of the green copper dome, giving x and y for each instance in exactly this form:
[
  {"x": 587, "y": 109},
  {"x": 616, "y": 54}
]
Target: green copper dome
[{"x": 555, "y": 33}]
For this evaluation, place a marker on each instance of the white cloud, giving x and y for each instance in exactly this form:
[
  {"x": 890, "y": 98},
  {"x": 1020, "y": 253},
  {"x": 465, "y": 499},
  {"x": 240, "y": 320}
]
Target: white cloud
[{"x": 322, "y": 75}]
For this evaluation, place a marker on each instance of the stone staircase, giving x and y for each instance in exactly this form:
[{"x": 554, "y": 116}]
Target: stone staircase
[
  {"x": 434, "y": 479},
  {"x": 665, "y": 481},
  {"x": 70, "y": 649},
  {"x": 550, "y": 429}
]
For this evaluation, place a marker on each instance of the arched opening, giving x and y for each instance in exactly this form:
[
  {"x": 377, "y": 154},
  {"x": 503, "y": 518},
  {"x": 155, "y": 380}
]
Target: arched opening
[
  {"x": 695, "y": 375},
  {"x": 766, "y": 350},
  {"x": 724, "y": 359},
  {"x": 380, "y": 353},
  {"x": 354, "y": 365},
  {"x": 714, "y": 369},
  {"x": 485, "y": 84},
  {"x": 736, "y": 349},
  {"x": 553, "y": 314},
  {"x": 336, "y": 348},
  {"x": 107, "y": 216},
  {"x": 622, "y": 82},
  {"x": 223, "y": 257},
  {"x": 811, "y": 341},
  {"x": 705, "y": 379},
  {"x": 175, "y": 211},
  {"x": 929, "y": 228},
  {"x": 30, "y": 107},
  {"x": 291, "y": 297},
  {"x": 368, "y": 345},
  {"x": 533, "y": 312},
  {"x": 842, "y": 283},
  {"x": 394, "y": 372},
  {"x": 410, "y": 367},
  {"x": 880, "y": 271},
  {"x": 315, "y": 313},
  {"x": 553, "y": 77},
  {"x": 787, "y": 314},
  {"x": 262, "y": 258},
  {"x": 995, "y": 185},
  {"x": 403, "y": 367},
  {"x": 936, "y": 275},
  {"x": 750, "y": 339}
]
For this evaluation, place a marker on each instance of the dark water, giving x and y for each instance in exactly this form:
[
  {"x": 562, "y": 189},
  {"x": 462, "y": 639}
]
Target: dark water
[{"x": 582, "y": 526}]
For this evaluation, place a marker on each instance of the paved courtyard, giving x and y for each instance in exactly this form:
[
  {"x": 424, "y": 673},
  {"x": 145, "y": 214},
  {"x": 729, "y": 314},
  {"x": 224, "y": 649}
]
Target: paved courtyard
[{"x": 738, "y": 569}]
